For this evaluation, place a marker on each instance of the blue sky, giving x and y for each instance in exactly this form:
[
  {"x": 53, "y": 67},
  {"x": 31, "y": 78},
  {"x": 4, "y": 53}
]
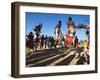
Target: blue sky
[{"x": 49, "y": 21}]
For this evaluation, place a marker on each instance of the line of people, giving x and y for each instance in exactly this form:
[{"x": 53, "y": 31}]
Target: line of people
[
  {"x": 42, "y": 42},
  {"x": 45, "y": 42}
]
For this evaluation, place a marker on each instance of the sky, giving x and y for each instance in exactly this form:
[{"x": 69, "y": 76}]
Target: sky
[{"x": 49, "y": 21}]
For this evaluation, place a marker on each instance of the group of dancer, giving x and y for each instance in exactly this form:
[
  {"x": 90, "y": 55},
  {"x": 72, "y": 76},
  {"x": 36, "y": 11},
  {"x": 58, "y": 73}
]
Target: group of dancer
[{"x": 37, "y": 41}]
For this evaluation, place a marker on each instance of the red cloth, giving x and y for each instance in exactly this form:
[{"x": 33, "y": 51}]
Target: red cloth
[
  {"x": 69, "y": 38},
  {"x": 76, "y": 45}
]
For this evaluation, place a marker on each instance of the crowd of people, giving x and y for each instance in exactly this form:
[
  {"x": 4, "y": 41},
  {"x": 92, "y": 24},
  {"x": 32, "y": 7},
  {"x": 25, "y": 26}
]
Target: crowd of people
[
  {"x": 46, "y": 42},
  {"x": 42, "y": 42}
]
